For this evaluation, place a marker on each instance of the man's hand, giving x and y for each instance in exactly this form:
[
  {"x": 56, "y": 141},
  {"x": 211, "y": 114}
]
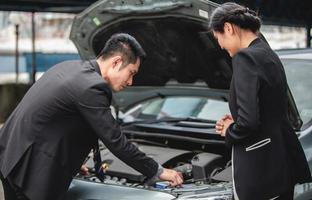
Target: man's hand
[
  {"x": 84, "y": 170},
  {"x": 223, "y": 124},
  {"x": 175, "y": 178}
]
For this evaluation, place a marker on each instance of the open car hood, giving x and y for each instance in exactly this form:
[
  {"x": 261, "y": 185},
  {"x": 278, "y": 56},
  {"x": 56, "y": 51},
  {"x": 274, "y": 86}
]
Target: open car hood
[
  {"x": 172, "y": 32},
  {"x": 174, "y": 35}
]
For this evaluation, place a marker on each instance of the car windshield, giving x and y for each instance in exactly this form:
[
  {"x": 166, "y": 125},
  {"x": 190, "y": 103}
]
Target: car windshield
[
  {"x": 298, "y": 72},
  {"x": 179, "y": 107}
]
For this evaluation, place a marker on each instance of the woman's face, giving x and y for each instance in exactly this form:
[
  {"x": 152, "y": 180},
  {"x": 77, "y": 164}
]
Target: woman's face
[{"x": 228, "y": 40}]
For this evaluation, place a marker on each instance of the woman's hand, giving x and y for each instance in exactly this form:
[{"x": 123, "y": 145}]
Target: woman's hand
[
  {"x": 84, "y": 170},
  {"x": 223, "y": 124}
]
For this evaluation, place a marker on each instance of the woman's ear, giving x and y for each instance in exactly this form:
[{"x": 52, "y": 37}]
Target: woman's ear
[{"x": 229, "y": 28}]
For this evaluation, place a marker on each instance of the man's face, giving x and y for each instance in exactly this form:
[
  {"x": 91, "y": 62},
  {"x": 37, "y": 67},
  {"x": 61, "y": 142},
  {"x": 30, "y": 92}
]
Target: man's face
[{"x": 122, "y": 76}]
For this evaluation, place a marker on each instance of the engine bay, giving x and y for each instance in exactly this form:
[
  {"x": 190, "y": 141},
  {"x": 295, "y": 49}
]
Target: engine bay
[{"x": 199, "y": 169}]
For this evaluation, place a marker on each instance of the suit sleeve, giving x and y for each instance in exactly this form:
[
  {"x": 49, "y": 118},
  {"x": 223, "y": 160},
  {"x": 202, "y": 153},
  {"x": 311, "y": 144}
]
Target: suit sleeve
[
  {"x": 94, "y": 105},
  {"x": 246, "y": 85}
]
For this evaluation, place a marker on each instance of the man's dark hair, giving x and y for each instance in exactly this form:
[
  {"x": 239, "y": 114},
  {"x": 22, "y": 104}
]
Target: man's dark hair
[
  {"x": 236, "y": 14},
  {"x": 124, "y": 44}
]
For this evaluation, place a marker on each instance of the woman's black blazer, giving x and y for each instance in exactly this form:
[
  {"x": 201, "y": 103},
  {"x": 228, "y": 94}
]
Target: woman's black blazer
[{"x": 267, "y": 156}]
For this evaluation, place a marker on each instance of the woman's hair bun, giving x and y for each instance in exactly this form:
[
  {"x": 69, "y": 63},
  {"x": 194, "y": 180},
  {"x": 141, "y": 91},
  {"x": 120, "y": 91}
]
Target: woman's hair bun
[{"x": 236, "y": 14}]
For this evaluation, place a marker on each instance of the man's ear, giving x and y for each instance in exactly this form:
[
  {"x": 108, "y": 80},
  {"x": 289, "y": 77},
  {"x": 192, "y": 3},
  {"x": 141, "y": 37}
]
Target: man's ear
[{"x": 117, "y": 61}]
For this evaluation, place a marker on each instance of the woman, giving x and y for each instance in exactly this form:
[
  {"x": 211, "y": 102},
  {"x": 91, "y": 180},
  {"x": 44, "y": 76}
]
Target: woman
[{"x": 267, "y": 158}]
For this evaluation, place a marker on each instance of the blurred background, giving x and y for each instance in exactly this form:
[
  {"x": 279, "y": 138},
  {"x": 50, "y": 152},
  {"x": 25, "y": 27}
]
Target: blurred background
[{"x": 53, "y": 45}]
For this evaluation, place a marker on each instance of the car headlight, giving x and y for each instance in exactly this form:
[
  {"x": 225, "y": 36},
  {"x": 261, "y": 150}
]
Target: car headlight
[
  {"x": 213, "y": 198},
  {"x": 217, "y": 198},
  {"x": 224, "y": 195}
]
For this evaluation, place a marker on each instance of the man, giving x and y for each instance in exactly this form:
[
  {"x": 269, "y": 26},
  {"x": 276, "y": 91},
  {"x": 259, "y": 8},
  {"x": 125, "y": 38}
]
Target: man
[{"x": 46, "y": 139}]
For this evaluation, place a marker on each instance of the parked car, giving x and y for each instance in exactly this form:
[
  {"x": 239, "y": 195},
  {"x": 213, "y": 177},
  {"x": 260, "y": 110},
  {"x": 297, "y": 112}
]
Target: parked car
[
  {"x": 298, "y": 68},
  {"x": 178, "y": 94}
]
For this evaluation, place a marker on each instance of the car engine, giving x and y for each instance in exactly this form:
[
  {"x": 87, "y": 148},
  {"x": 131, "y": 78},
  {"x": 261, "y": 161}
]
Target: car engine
[{"x": 197, "y": 167}]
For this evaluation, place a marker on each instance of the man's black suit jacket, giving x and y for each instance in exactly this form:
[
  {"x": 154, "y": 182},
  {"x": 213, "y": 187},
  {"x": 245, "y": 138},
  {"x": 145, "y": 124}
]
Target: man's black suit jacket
[
  {"x": 46, "y": 139},
  {"x": 267, "y": 156}
]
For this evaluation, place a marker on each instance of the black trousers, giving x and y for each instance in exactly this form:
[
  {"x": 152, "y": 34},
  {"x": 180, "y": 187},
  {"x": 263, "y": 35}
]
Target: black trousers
[{"x": 11, "y": 192}]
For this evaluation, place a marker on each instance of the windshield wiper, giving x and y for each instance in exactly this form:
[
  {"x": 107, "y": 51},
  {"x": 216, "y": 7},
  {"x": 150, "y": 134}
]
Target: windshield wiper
[
  {"x": 148, "y": 142},
  {"x": 183, "y": 121}
]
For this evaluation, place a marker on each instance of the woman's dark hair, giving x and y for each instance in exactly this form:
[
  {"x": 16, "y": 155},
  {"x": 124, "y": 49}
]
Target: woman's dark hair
[
  {"x": 236, "y": 14},
  {"x": 126, "y": 45}
]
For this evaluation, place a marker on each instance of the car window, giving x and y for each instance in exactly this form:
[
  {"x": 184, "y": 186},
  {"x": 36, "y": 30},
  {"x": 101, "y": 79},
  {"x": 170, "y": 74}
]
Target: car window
[
  {"x": 180, "y": 107},
  {"x": 299, "y": 78}
]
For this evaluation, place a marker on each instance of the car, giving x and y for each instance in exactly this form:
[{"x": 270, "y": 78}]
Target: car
[
  {"x": 298, "y": 69},
  {"x": 178, "y": 94}
]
